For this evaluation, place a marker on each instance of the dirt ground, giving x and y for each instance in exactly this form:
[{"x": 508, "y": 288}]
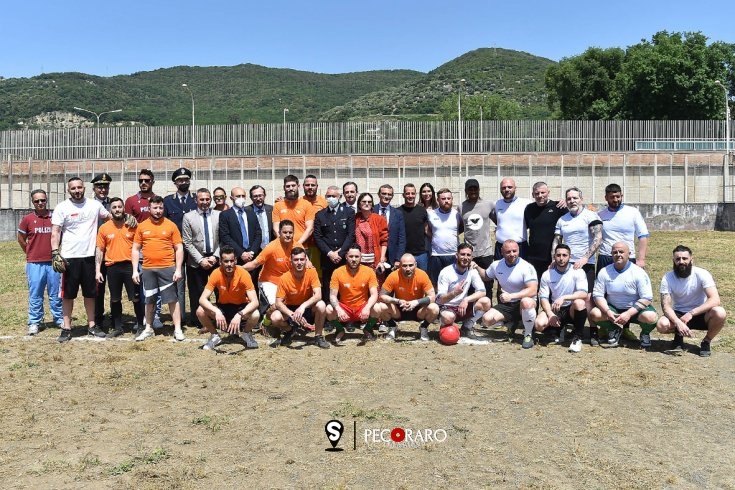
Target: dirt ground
[{"x": 160, "y": 414}]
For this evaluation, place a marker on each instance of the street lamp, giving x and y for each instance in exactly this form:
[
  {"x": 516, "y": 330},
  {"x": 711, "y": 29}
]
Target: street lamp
[
  {"x": 285, "y": 110},
  {"x": 98, "y": 116},
  {"x": 459, "y": 123},
  {"x": 727, "y": 119},
  {"x": 193, "y": 126}
]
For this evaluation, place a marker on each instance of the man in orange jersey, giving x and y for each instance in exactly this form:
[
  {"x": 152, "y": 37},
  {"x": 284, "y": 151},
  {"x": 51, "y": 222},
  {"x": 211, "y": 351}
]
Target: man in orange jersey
[
  {"x": 353, "y": 296},
  {"x": 296, "y": 209},
  {"x": 237, "y": 302},
  {"x": 409, "y": 296},
  {"x": 299, "y": 302},
  {"x": 311, "y": 194},
  {"x": 114, "y": 248},
  {"x": 159, "y": 240}
]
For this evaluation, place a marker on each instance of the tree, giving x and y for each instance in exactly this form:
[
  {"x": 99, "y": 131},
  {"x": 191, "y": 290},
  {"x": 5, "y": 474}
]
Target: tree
[{"x": 494, "y": 107}]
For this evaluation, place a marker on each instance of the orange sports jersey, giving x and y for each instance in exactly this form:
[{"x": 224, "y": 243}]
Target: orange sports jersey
[
  {"x": 276, "y": 261},
  {"x": 116, "y": 243},
  {"x": 158, "y": 242},
  {"x": 294, "y": 292},
  {"x": 408, "y": 289},
  {"x": 319, "y": 202},
  {"x": 299, "y": 211},
  {"x": 354, "y": 290},
  {"x": 234, "y": 291}
]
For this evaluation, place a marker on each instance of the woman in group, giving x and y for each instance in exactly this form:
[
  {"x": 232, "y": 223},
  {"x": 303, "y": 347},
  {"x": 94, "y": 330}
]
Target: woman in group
[
  {"x": 428, "y": 197},
  {"x": 219, "y": 196},
  {"x": 371, "y": 234}
]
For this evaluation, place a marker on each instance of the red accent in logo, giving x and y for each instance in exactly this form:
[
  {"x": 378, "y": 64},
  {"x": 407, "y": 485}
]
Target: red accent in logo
[{"x": 398, "y": 434}]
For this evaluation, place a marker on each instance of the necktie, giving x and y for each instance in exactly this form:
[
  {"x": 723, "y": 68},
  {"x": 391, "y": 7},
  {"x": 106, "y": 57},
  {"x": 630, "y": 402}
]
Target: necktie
[
  {"x": 207, "y": 242},
  {"x": 183, "y": 200},
  {"x": 384, "y": 213},
  {"x": 263, "y": 220},
  {"x": 243, "y": 229}
]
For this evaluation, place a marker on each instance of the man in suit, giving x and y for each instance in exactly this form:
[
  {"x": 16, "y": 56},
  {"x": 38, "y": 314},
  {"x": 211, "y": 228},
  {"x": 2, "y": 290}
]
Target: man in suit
[
  {"x": 334, "y": 232},
  {"x": 200, "y": 233},
  {"x": 396, "y": 226},
  {"x": 175, "y": 206},
  {"x": 239, "y": 228},
  {"x": 264, "y": 213}
]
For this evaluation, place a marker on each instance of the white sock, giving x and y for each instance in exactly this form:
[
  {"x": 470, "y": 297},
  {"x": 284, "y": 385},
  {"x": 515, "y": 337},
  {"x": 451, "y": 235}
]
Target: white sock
[{"x": 529, "y": 318}]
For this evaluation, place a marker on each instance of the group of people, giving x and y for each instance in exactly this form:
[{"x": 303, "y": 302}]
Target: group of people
[{"x": 348, "y": 260}]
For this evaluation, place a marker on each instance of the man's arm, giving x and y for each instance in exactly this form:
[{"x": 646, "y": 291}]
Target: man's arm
[
  {"x": 22, "y": 241},
  {"x": 557, "y": 240},
  {"x": 55, "y": 237},
  {"x": 596, "y": 231},
  {"x": 307, "y": 233},
  {"x": 640, "y": 258},
  {"x": 187, "y": 236}
]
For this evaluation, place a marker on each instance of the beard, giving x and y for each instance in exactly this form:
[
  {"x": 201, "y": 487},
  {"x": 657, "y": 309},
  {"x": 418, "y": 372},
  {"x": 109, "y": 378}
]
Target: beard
[{"x": 683, "y": 270}]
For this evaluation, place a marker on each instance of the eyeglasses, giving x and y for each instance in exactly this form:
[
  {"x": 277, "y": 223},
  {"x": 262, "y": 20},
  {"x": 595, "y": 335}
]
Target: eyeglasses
[
  {"x": 143, "y": 181},
  {"x": 39, "y": 201},
  {"x": 219, "y": 198},
  {"x": 102, "y": 186}
]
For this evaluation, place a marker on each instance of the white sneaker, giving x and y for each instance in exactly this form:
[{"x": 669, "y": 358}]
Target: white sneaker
[
  {"x": 392, "y": 334},
  {"x": 147, "y": 332},
  {"x": 576, "y": 345},
  {"x": 33, "y": 329},
  {"x": 179, "y": 335},
  {"x": 213, "y": 342}
]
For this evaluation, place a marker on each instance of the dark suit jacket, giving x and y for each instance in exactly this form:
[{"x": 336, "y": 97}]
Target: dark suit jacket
[
  {"x": 173, "y": 210},
  {"x": 334, "y": 231},
  {"x": 229, "y": 232},
  {"x": 269, "y": 213},
  {"x": 396, "y": 234}
]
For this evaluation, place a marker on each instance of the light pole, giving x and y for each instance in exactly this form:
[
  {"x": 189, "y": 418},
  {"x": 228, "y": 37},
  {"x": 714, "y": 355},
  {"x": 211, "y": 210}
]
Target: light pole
[
  {"x": 459, "y": 124},
  {"x": 98, "y": 116},
  {"x": 193, "y": 125},
  {"x": 285, "y": 110},
  {"x": 727, "y": 118}
]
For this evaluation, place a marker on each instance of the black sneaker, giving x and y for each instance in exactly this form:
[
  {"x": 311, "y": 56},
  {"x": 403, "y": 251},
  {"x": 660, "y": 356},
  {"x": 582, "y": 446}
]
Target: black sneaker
[
  {"x": 115, "y": 332},
  {"x": 351, "y": 326},
  {"x": 96, "y": 331},
  {"x": 321, "y": 342},
  {"x": 704, "y": 349},
  {"x": 678, "y": 343},
  {"x": 64, "y": 336},
  {"x": 645, "y": 340},
  {"x": 613, "y": 336},
  {"x": 287, "y": 338}
]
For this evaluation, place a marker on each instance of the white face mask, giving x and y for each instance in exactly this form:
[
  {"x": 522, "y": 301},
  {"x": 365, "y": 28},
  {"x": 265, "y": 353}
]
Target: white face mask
[
  {"x": 240, "y": 202},
  {"x": 332, "y": 201}
]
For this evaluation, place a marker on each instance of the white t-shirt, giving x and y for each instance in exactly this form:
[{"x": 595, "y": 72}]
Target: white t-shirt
[
  {"x": 575, "y": 232},
  {"x": 687, "y": 292},
  {"x": 624, "y": 225},
  {"x": 623, "y": 288},
  {"x": 512, "y": 278},
  {"x": 449, "y": 277},
  {"x": 509, "y": 216},
  {"x": 555, "y": 284},
  {"x": 78, "y": 222},
  {"x": 444, "y": 231}
]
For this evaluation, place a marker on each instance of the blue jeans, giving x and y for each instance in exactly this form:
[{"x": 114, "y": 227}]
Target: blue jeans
[
  {"x": 41, "y": 276},
  {"x": 422, "y": 261}
]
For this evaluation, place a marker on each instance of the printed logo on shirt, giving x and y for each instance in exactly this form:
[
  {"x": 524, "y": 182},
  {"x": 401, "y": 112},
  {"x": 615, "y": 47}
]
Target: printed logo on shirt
[{"x": 475, "y": 222}]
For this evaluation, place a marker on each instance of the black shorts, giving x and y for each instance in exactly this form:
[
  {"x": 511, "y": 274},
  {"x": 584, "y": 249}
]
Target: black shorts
[
  {"x": 308, "y": 313},
  {"x": 229, "y": 310},
  {"x": 565, "y": 314},
  {"x": 696, "y": 323},
  {"x": 409, "y": 316},
  {"x": 79, "y": 272},
  {"x": 510, "y": 311},
  {"x": 118, "y": 275}
]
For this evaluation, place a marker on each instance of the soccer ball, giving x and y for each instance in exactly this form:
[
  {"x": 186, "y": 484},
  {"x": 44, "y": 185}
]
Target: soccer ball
[{"x": 449, "y": 334}]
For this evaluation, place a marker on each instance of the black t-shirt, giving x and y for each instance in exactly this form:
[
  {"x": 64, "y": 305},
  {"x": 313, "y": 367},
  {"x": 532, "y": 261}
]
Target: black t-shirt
[
  {"x": 541, "y": 221},
  {"x": 415, "y": 218}
]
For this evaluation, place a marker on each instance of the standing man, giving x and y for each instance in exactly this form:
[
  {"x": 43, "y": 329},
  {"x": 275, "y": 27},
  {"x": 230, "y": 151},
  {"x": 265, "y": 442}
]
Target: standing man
[
  {"x": 409, "y": 296},
  {"x": 158, "y": 240},
  {"x": 690, "y": 301},
  {"x": 299, "y": 302},
  {"x": 416, "y": 222},
  {"x": 540, "y": 218},
  {"x": 236, "y": 310},
  {"x": 239, "y": 228},
  {"x": 73, "y": 233},
  {"x": 350, "y": 192},
  {"x": 34, "y": 238},
  {"x": 478, "y": 225},
  {"x": 200, "y": 234},
  {"x": 295, "y": 209},
  {"x": 622, "y": 296},
  {"x": 517, "y": 288},
  {"x": 445, "y": 225},
  {"x": 396, "y": 226},
  {"x": 311, "y": 189},
  {"x": 621, "y": 223},
  {"x": 334, "y": 232},
  {"x": 175, "y": 206},
  {"x": 114, "y": 248},
  {"x": 138, "y": 205},
  {"x": 562, "y": 295},
  {"x": 264, "y": 214},
  {"x": 101, "y": 187},
  {"x": 508, "y": 217}
]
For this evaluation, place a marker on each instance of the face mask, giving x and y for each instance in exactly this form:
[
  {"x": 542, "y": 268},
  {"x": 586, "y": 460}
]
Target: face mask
[
  {"x": 240, "y": 202},
  {"x": 332, "y": 201}
]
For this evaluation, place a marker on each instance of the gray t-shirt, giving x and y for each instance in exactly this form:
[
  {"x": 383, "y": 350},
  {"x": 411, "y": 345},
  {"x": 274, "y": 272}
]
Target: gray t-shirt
[{"x": 478, "y": 226}]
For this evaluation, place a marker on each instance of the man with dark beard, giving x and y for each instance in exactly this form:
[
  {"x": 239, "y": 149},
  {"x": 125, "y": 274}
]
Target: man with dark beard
[
  {"x": 295, "y": 209},
  {"x": 690, "y": 301}
]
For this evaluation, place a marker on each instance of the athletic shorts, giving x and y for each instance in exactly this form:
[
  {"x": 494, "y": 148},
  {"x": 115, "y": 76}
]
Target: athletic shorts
[
  {"x": 308, "y": 313},
  {"x": 565, "y": 315},
  {"x": 510, "y": 311},
  {"x": 409, "y": 316},
  {"x": 696, "y": 323},
  {"x": 455, "y": 310},
  {"x": 118, "y": 275},
  {"x": 353, "y": 313},
  {"x": 270, "y": 290},
  {"x": 80, "y": 272},
  {"x": 229, "y": 310},
  {"x": 634, "y": 318},
  {"x": 160, "y": 281}
]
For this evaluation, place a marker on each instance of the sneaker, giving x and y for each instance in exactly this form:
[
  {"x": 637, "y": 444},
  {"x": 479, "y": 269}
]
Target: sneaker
[
  {"x": 137, "y": 328},
  {"x": 213, "y": 342},
  {"x": 96, "y": 331},
  {"x": 424, "y": 333},
  {"x": 328, "y": 327},
  {"x": 468, "y": 329},
  {"x": 115, "y": 332},
  {"x": 678, "y": 344},
  {"x": 391, "y": 334},
  {"x": 179, "y": 335},
  {"x": 383, "y": 328},
  {"x": 250, "y": 342},
  {"x": 527, "y": 342},
  {"x": 645, "y": 340},
  {"x": 629, "y": 335},
  {"x": 321, "y": 342},
  {"x": 594, "y": 342},
  {"x": 338, "y": 338},
  {"x": 33, "y": 329},
  {"x": 613, "y": 337},
  {"x": 367, "y": 335},
  {"x": 561, "y": 337},
  {"x": 576, "y": 345},
  {"x": 704, "y": 349},
  {"x": 146, "y": 333},
  {"x": 64, "y": 336},
  {"x": 351, "y": 326},
  {"x": 287, "y": 338}
]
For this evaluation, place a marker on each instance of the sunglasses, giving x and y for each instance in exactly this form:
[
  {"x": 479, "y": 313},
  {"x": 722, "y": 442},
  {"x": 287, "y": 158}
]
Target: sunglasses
[
  {"x": 39, "y": 201},
  {"x": 143, "y": 181},
  {"x": 219, "y": 198}
]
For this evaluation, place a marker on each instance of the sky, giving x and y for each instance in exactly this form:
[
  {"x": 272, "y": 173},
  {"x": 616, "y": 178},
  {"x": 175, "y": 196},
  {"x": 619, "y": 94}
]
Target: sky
[{"x": 108, "y": 38}]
